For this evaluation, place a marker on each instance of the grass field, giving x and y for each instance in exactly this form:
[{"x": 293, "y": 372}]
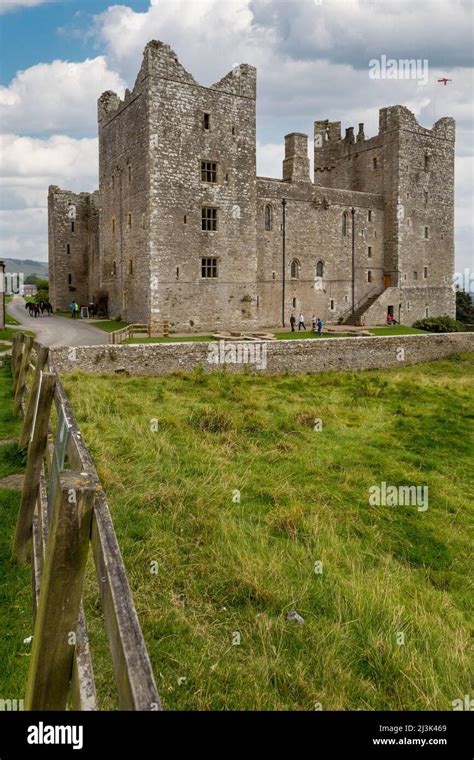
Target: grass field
[
  {"x": 396, "y": 330},
  {"x": 226, "y": 494},
  {"x": 15, "y": 580}
]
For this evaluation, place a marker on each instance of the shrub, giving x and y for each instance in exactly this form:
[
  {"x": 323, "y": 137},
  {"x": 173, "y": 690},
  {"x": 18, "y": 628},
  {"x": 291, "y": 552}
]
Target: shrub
[{"x": 439, "y": 325}]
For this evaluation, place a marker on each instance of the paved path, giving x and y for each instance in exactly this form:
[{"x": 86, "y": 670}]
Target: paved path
[{"x": 57, "y": 331}]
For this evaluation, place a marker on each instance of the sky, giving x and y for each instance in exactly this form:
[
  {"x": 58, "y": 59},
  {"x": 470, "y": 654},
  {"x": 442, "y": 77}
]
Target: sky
[{"x": 313, "y": 62}]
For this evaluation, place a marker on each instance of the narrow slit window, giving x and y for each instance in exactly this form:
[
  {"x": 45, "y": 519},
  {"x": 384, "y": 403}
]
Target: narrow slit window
[
  {"x": 369, "y": 215},
  {"x": 114, "y": 268},
  {"x": 206, "y": 121},
  {"x": 369, "y": 276},
  {"x": 68, "y": 248},
  {"x": 130, "y": 266},
  {"x": 427, "y": 232},
  {"x": 69, "y": 279},
  {"x": 72, "y": 226},
  {"x": 369, "y": 251},
  {"x": 129, "y": 221},
  {"x": 268, "y": 218}
]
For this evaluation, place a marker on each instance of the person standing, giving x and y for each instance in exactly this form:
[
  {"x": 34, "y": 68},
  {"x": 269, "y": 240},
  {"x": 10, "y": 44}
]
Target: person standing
[
  {"x": 292, "y": 322},
  {"x": 301, "y": 323},
  {"x": 72, "y": 306},
  {"x": 313, "y": 323},
  {"x": 320, "y": 326}
]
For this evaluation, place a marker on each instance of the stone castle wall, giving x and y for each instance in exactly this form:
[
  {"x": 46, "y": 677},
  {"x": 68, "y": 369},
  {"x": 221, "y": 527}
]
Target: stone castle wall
[
  {"x": 321, "y": 355},
  {"x": 398, "y": 184}
]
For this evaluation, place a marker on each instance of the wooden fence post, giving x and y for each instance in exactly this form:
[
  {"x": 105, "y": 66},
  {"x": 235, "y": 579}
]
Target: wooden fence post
[
  {"x": 54, "y": 637},
  {"x": 33, "y": 468},
  {"x": 17, "y": 348},
  {"x": 41, "y": 359},
  {"x": 22, "y": 373}
]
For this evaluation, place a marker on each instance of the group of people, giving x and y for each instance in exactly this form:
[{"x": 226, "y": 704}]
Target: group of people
[
  {"x": 74, "y": 307},
  {"x": 316, "y": 324}
]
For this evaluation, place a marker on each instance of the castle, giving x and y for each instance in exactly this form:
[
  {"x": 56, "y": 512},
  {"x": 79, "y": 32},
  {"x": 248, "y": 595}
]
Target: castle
[{"x": 182, "y": 229}]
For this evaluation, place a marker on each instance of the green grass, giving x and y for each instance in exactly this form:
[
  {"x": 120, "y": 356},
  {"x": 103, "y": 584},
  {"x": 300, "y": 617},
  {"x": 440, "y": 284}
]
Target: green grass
[
  {"x": 10, "y": 320},
  {"x": 227, "y": 567},
  {"x": 109, "y": 325},
  {"x": 301, "y": 335},
  {"x": 172, "y": 339},
  {"x": 9, "y": 332},
  {"x": 396, "y": 330},
  {"x": 15, "y": 580}
]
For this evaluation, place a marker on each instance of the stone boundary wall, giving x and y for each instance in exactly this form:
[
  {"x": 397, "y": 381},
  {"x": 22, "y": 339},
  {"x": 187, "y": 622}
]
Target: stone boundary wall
[{"x": 318, "y": 355}]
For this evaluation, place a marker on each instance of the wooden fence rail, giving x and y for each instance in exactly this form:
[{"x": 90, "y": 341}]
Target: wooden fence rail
[
  {"x": 139, "y": 331},
  {"x": 63, "y": 511}
]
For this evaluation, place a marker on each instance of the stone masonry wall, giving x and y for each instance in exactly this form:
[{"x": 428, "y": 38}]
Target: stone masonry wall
[
  {"x": 72, "y": 241},
  {"x": 297, "y": 356}
]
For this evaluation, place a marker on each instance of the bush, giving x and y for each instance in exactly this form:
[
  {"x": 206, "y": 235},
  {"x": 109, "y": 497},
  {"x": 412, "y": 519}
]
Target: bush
[{"x": 439, "y": 325}]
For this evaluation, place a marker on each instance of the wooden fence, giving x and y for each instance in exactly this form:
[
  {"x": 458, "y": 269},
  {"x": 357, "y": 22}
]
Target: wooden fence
[
  {"x": 63, "y": 510},
  {"x": 139, "y": 331}
]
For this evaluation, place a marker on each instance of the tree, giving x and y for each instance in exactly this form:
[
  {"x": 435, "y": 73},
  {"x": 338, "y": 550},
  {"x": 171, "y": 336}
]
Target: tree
[{"x": 464, "y": 307}]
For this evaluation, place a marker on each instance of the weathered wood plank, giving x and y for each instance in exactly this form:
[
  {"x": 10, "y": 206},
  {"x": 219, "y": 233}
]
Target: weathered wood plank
[
  {"x": 33, "y": 468},
  {"x": 83, "y": 693},
  {"x": 22, "y": 372},
  {"x": 26, "y": 430},
  {"x": 36, "y": 563},
  {"x": 17, "y": 349},
  {"x": 134, "y": 675},
  {"x": 60, "y": 595}
]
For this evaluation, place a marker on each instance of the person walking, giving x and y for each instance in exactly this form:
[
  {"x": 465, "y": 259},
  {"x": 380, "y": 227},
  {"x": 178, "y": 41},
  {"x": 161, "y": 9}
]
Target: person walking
[
  {"x": 320, "y": 326},
  {"x": 301, "y": 323},
  {"x": 72, "y": 306},
  {"x": 292, "y": 322}
]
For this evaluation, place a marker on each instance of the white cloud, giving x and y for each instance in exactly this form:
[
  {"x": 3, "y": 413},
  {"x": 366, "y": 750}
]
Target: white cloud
[
  {"x": 27, "y": 167},
  {"x": 13, "y": 5},
  {"x": 57, "y": 97}
]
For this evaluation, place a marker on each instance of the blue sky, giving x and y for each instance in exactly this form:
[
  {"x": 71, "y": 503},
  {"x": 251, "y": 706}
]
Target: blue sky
[{"x": 312, "y": 58}]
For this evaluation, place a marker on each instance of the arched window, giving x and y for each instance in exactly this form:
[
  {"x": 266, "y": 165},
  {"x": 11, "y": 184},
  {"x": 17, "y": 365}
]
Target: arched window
[
  {"x": 268, "y": 218},
  {"x": 319, "y": 269},
  {"x": 344, "y": 223},
  {"x": 294, "y": 269}
]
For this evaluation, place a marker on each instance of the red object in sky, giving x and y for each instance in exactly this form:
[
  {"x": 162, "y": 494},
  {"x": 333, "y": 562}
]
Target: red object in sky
[{"x": 445, "y": 81}]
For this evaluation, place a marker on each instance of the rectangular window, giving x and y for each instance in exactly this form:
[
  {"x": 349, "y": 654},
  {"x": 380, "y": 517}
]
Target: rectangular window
[
  {"x": 415, "y": 275},
  {"x": 426, "y": 197},
  {"x": 369, "y": 276},
  {"x": 69, "y": 279},
  {"x": 184, "y": 219},
  {"x": 130, "y": 267},
  {"x": 369, "y": 251},
  {"x": 208, "y": 268},
  {"x": 332, "y": 304},
  {"x": 129, "y": 221},
  {"x": 294, "y": 303},
  {"x": 68, "y": 248},
  {"x": 209, "y": 219},
  {"x": 177, "y": 273},
  {"x": 72, "y": 226},
  {"x": 374, "y": 163},
  {"x": 427, "y": 161},
  {"x": 113, "y": 225},
  {"x": 208, "y": 171},
  {"x": 114, "y": 268},
  {"x": 369, "y": 215},
  {"x": 425, "y": 272},
  {"x": 113, "y": 181},
  {"x": 129, "y": 175},
  {"x": 206, "y": 121},
  {"x": 427, "y": 311},
  {"x": 426, "y": 233}
]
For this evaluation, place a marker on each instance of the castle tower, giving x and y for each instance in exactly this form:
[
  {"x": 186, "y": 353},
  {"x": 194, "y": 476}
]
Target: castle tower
[{"x": 178, "y": 196}]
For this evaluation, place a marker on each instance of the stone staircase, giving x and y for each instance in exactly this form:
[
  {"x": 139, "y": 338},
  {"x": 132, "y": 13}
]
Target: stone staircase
[{"x": 354, "y": 319}]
